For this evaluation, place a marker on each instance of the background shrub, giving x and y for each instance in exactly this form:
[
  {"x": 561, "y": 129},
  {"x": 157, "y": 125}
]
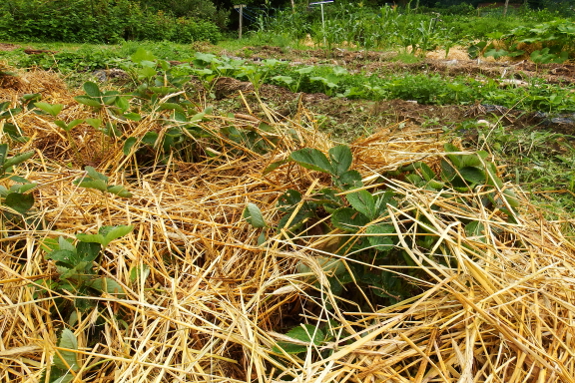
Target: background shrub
[{"x": 98, "y": 21}]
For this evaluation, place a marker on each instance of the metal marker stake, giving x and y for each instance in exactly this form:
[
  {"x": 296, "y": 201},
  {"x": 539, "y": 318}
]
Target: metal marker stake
[
  {"x": 241, "y": 10},
  {"x": 321, "y": 3}
]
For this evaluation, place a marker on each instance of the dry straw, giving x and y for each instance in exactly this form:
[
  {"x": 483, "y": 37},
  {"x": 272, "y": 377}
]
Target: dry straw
[{"x": 215, "y": 303}]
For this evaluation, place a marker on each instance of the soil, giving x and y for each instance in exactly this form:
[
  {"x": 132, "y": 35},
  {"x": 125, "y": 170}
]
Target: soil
[
  {"x": 8, "y": 47},
  {"x": 456, "y": 63},
  {"x": 348, "y": 119}
]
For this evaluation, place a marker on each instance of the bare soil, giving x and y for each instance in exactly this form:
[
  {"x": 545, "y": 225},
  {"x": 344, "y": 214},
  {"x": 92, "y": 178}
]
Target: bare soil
[{"x": 348, "y": 119}]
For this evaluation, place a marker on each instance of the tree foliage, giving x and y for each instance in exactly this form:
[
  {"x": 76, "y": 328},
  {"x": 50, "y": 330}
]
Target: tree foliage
[{"x": 105, "y": 21}]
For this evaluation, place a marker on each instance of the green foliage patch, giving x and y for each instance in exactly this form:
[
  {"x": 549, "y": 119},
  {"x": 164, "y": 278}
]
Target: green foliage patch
[{"x": 98, "y": 21}]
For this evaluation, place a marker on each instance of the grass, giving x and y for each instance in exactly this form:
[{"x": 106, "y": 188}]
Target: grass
[{"x": 538, "y": 160}]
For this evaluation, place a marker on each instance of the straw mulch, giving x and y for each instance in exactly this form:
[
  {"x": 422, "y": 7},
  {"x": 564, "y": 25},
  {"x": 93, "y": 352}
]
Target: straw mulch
[{"x": 215, "y": 302}]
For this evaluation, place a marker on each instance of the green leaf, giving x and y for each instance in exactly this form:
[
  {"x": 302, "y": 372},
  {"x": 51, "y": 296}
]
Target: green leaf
[
  {"x": 350, "y": 180},
  {"x": 493, "y": 180},
  {"x": 107, "y": 285},
  {"x": 172, "y": 106},
  {"x": 283, "y": 79},
  {"x": 307, "y": 333},
  {"x": 414, "y": 179},
  {"x": 3, "y": 154},
  {"x": 53, "y": 110},
  {"x": 474, "y": 160},
  {"x": 95, "y": 174},
  {"x": 288, "y": 348},
  {"x": 150, "y": 138},
  {"x": 26, "y": 187},
  {"x": 114, "y": 232},
  {"x": 363, "y": 202},
  {"x": 511, "y": 198},
  {"x": 288, "y": 200},
  {"x": 305, "y": 70},
  {"x": 29, "y": 97},
  {"x": 341, "y": 159},
  {"x": 312, "y": 159},
  {"x": 254, "y": 216},
  {"x": 262, "y": 238},
  {"x": 128, "y": 144},
  {"x": 139, "y": 273},
  {"x": 64, "y": 244},
  {"x": 180, "y": 117},
  {"x": 474, "y": 229},
  {"x": 380, "y": 238},
  {"x": 67, "y": 359},
  {"x": 146, "y": 72},
  {"x": 297, "y": 222},
  {"x": 94, "y": 122},
  {"x": 17, "y": 160},
  {"x": 89, "y": 101},
  {"x": 59, "y": 376},
  {"x": 14, "y": 133},
  {"x": 88, "y": 251},
  {"x": 95, "y": 238},
  {"x": 111, "y": 98},
  {"x": 133, "y": 116},
  {"x": 142, "y": 55},
  {"x": 436, "y": 185},
  {"x": 92, "y": 184},
  {"x": 20, "y": 202},
  {"x": 304, "y": 333},
  {"x": 273, "y": 166},
  {"x": 198, "y": 116},
  {"x": 64, "y": 257},
  {"x": 120, "y": 191},
  {"x": 92, "y": 89},
  {"x": 495, "y": 53},
  {"x": 473, "y": 175},
  {"x": 122, "y": 103},
  {"x": 93, "y": 180},
  {"x": 62, "y": 125},
  {"x": 426, "y": 171},
  {"x": 450, "y": 148},
  {"x": 447, "y": 171},
  {"x": 349, "y": 220},
  {"x": 74, "y": 123}
]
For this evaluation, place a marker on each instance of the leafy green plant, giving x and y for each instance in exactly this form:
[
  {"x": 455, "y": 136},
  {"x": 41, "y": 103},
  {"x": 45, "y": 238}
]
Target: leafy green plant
[
  {"x": 98, "y": 181},
  {"x": 65, "y": 363},
  {"x": 84, "y": 21},
  {"x": 112, "y": 101},
  {"x": 360, "y": 215},
  {"x": 76, "y": 266},
  {"x": 17, "y": 196},
  {"x": 7, "y": 114},
  {"x": 258, "y": 75},
  {"x": 544, "y": 56},
  {"x": 366, "y": 238},
  {"x": 464, "y": 173},
  {"x": 304, "y": 336}
]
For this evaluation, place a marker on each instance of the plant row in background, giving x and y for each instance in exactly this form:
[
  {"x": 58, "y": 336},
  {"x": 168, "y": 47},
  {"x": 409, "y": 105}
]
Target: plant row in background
[
  {"x": 401, "y": 28},
  {"x": 423, "y": 88},
  {"x": 331, "y": 80},
  {"x": 98, "y": 21},
  {"x": 550, "y": 42}
]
